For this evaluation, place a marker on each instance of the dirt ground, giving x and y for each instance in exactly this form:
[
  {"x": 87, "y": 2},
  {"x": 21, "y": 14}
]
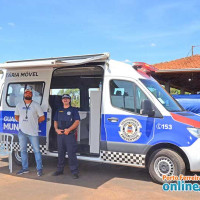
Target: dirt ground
[{"x": 96, "y": 182}]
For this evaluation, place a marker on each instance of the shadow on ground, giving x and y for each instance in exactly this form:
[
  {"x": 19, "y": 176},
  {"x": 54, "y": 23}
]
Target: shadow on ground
[{"x": 92, "y": 175}]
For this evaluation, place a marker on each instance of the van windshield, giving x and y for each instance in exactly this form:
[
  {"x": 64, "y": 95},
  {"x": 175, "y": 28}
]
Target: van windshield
[{"x": 165, "y": 99}]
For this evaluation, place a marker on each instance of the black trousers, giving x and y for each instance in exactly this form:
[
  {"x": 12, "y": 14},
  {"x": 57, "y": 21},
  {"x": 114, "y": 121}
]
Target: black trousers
[{"x": 67, "y": 143}]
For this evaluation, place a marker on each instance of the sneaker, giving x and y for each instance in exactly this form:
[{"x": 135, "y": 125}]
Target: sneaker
[
  {"x": 39, "y": 172},
  {"x": 75, "y": 176},
  {"x": 57, "y": 173},
  {"x": 23, "y": 171}
]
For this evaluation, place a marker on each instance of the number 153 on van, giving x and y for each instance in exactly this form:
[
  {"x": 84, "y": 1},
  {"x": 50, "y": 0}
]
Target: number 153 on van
[{"x": 164, "y": 126}]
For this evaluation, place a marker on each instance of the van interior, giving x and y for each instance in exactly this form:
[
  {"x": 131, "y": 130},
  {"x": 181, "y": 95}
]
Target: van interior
[{"x": 83, "y": 83}]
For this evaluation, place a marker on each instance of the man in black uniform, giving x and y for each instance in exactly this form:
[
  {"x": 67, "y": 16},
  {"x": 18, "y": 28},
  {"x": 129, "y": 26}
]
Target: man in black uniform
[{"x": 66, "y": 120}]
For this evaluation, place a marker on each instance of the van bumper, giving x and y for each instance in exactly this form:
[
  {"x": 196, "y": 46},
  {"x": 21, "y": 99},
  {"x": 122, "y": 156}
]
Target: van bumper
[{"x": 192, "y": 152}]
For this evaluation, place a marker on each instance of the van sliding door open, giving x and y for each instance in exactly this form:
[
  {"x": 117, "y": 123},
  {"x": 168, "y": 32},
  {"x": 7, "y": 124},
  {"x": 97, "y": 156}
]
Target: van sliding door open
[{"x": 83, "y": 84}]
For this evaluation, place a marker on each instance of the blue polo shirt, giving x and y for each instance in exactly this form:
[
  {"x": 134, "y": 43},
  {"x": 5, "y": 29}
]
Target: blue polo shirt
[{"x": 66, "y": 117}]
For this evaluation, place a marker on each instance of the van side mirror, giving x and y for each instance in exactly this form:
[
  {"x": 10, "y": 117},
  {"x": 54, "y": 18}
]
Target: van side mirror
[{"x": 146, "y": 108}]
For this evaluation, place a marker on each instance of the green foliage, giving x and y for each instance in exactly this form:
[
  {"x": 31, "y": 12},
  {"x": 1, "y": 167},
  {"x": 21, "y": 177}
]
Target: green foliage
[
  {"x": 75, "y": 96},
  {"x": 174, "y": 91}
]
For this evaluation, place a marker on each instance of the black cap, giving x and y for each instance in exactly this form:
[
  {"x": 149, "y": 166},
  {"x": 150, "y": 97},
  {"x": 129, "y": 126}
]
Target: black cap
[{"x": 66, "y": 96}]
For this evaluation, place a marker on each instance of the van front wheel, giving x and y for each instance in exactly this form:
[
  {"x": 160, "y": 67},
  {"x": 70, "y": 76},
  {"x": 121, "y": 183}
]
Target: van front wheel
[
  {"x": 18, "y": 160},
  {"x": 165, "y": 162}
]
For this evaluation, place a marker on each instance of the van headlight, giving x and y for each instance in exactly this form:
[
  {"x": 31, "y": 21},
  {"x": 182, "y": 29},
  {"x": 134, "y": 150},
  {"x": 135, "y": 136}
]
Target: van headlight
[{"x": 194, "y": 131}]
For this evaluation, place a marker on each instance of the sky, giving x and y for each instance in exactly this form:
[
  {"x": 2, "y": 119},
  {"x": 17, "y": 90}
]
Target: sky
[{"x": 151, "y": 31}]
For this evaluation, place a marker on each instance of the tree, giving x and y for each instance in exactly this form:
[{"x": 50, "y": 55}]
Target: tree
[
  {"x": 174, "y": 91},
  {"x": 75, "y": 96}
]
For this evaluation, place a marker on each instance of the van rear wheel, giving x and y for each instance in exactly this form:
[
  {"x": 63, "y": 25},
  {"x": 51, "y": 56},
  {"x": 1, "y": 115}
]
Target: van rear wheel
[
  {"x": 18, "y": 160},
  {"x": 165, "y": 162}
]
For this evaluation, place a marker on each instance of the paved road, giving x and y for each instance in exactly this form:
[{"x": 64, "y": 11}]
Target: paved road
[{"x": 97, "y": 182}]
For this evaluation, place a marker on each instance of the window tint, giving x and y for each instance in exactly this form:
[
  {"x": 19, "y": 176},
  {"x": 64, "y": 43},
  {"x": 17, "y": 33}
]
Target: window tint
[
  {"x": 165, "y": 99},
  {"x": 121, "y": 93},
  {"x": 126, "y": 95},
  {"x": 140, "y": 97},
  {"x": 15, "y": 92}
]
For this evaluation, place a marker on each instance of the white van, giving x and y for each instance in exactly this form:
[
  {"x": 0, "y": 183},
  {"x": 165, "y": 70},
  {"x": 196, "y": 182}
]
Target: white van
[{"x": 127, "y": 118}]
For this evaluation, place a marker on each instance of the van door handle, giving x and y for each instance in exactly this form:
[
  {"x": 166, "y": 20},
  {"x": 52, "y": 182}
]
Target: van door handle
[{"x": 113, "y": 119}]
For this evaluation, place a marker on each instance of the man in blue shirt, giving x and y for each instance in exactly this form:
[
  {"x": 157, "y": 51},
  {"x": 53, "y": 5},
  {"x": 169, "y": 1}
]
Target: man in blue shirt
[{"x": 66, "y": 120}]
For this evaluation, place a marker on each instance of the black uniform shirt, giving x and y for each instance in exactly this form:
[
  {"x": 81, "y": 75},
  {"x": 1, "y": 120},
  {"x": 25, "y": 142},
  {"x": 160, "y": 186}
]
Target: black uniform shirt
[{"x": 66, "y": 117}]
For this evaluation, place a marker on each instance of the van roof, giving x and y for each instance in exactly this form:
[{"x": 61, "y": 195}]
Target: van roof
[{"x": 57, "y": 61}]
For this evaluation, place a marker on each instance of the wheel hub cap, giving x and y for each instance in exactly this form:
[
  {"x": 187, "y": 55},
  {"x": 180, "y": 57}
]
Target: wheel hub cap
[{"x": 164, "y": 166}]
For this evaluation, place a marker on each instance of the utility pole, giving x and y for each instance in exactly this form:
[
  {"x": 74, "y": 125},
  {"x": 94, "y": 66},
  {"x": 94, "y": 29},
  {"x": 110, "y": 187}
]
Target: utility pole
[{"x": 193, "y": 49}]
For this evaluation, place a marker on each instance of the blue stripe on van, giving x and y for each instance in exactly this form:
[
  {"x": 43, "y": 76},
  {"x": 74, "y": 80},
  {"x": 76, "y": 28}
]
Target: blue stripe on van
[
  {"x": 166, "y": 130},
  {"x": 8, "y": 124}
]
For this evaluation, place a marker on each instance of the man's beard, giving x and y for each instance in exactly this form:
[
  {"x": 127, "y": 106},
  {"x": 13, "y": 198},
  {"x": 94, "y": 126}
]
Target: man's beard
[{"x": 28, "y": 98}]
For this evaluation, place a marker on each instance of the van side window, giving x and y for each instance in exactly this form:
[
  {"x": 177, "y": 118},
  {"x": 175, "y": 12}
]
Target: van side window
[
  {"x": 126, "y": 95},
  {"x": 15, "y": 92},
  {"x": 122, "y": 94}
]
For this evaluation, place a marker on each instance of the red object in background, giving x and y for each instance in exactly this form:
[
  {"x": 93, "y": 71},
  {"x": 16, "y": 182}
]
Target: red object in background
[{"x": 144, "y": 67}]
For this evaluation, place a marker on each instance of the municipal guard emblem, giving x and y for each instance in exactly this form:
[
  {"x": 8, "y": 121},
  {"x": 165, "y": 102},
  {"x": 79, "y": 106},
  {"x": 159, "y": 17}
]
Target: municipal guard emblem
[{"x": 130, "y": 129}]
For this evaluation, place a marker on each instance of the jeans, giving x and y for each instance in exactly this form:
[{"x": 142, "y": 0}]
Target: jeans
[{"x": 23, "y": 139}]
